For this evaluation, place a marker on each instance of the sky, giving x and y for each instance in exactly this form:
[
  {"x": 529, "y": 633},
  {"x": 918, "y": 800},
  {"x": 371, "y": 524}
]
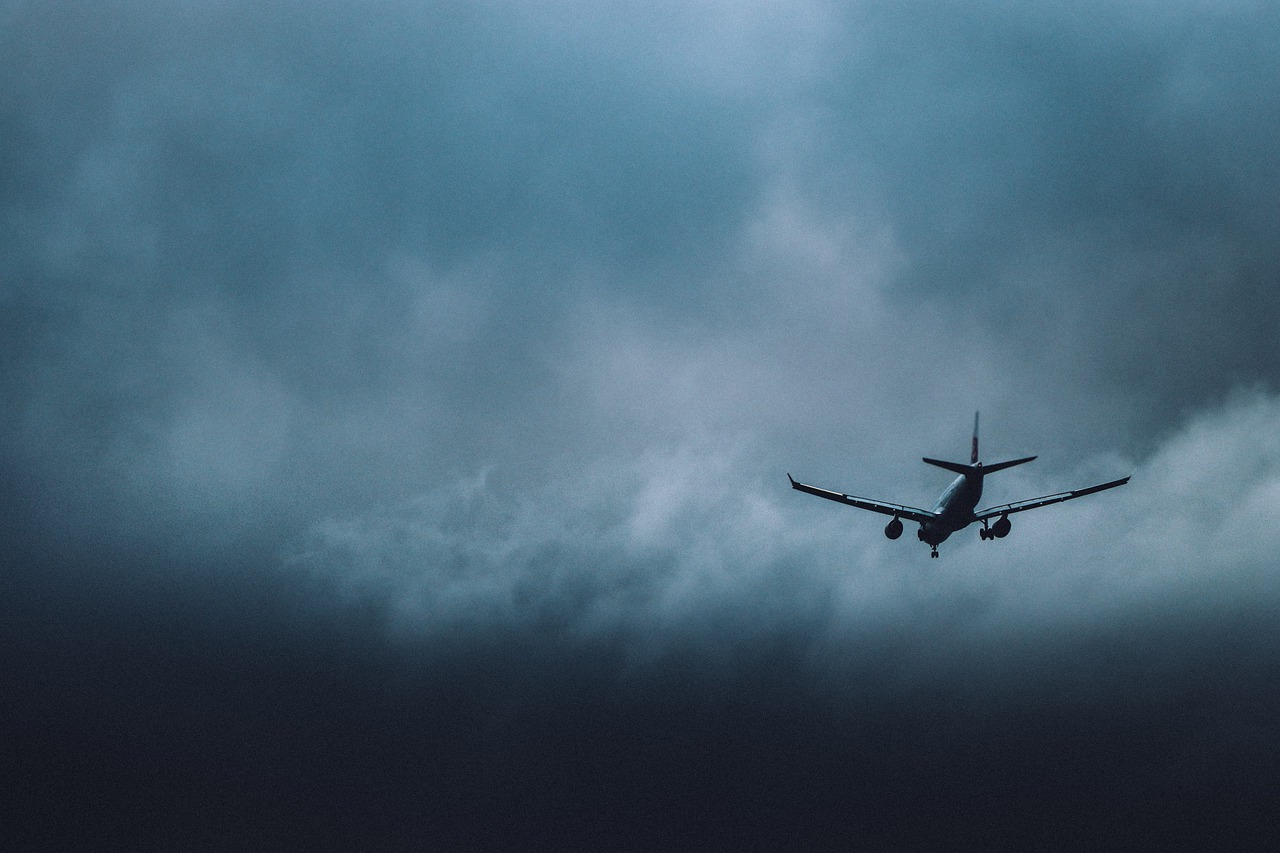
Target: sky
[{"x": 398, "y": 397}]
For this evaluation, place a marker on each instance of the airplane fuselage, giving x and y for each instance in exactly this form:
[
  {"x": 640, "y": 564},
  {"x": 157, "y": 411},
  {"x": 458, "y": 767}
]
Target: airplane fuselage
[{"x": 954, "y": 509}]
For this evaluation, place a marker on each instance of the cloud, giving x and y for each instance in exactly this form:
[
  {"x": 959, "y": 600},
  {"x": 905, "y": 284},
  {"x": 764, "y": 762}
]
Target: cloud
[
  {"x": 455, "y": 355},
  {"x": 909, "y": 231},
  {"x": 706, "y": 549},
  {"x": 303, "y": 277}
]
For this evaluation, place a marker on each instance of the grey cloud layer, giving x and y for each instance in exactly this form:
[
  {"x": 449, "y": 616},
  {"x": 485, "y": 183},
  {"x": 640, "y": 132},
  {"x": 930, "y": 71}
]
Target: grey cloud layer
[
  {"x": 273, "y": 265},
  {"x": 658, "y": 551}
]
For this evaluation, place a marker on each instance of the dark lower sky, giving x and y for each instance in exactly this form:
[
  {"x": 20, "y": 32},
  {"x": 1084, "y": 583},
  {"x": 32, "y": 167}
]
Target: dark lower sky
[{"x": 396, "y": 401}]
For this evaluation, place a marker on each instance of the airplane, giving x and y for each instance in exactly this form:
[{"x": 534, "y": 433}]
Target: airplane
[{"x": 954, "y": 509}]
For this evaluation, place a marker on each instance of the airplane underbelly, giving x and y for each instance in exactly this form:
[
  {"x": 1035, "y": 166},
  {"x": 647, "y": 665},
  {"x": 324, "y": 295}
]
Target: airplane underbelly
[
  {"x": 933, "y": 533},
  {"x": 936, "y": 532}
]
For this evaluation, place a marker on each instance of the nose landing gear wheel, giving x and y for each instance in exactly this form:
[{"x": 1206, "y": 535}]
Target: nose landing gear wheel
[{"x": 934, "y": 552}]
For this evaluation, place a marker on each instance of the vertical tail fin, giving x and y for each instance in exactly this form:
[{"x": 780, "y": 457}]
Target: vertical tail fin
[{"x": 974, "y": 467}]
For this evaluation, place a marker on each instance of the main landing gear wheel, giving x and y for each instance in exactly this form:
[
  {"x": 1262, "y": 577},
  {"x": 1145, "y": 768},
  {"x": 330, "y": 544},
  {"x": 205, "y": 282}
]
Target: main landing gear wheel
[{"x": 934, "y": 552}]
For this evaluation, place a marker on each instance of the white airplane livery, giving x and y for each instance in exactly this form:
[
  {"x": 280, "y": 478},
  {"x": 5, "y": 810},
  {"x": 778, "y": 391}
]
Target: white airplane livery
[{"x": 954, "y": 510}]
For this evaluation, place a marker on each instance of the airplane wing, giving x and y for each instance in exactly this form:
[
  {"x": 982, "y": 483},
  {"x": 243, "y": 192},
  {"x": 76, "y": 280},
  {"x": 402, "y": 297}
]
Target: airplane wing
[
  {"x": 1036, "y": 503},
  {"x": 910, "y": 513}
]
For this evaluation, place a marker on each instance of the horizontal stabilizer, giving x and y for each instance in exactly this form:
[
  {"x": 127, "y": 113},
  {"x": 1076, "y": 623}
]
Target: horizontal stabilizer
[
  {"x": 961, "y": 468},
  {"x": 1000, "y": 466},
  {"x": 958, "y": 467}
]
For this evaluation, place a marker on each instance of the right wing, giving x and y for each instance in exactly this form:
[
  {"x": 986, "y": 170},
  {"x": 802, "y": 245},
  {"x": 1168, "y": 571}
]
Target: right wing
[
  {"x": 1036, "y": 503},
  {"x": 910, "y": 513}
]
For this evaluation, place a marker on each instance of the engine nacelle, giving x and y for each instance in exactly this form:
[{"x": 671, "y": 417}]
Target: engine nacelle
[
  {"x": 894, "y": 528},
  {"x": 1001, "y": 528}
]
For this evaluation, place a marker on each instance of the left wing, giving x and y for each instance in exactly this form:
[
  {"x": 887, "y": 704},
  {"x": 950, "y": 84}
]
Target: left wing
[
  {"x": 1036, "y": 503},
  {"x": 910, "y": 513}
]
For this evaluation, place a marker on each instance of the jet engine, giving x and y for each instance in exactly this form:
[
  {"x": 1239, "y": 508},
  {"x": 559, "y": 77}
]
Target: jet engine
[
  {"x": 1001, "y": 528},
  {"x": 894, "y": 528}
]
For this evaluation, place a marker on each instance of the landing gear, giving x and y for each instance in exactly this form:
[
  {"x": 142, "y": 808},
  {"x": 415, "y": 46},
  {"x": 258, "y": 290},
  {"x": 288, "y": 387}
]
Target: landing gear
[
  {"x": 999, "y": 530},
  {"x": 934, "y": 552}
]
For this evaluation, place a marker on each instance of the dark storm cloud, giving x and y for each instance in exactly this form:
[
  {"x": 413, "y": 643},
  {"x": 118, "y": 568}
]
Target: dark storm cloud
[
  {"x": 397, "y": 399},
  {"x": 241, "y": 233},
  {"x": 1095, "y": 188}
]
